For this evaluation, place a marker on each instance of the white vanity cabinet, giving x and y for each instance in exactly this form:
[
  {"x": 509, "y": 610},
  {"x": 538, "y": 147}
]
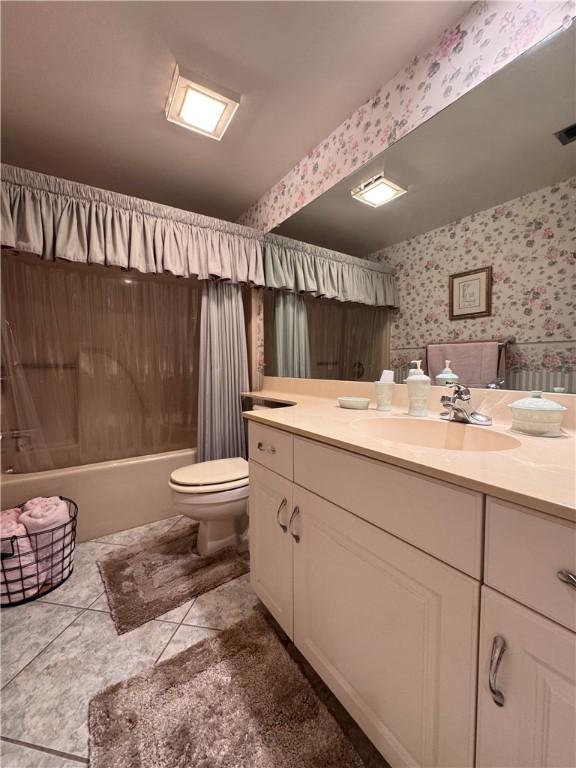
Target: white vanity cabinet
[
  {"x": 391, "y": 630},
  {"x": 376, "y": 574},
  {"x": 534, "y": 723},
  {"x": 271, "y": 558},
  {"x": 527, "y": 711}
]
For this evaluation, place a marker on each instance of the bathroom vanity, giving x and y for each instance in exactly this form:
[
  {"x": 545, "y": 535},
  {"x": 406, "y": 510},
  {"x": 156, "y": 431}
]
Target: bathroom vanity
[{"x": 440, "y": 611}]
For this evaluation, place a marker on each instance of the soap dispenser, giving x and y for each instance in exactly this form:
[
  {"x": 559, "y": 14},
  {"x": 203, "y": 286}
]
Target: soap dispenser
[
  {"x": 418, "y": 386},
  {"x": 447, "y": 376}
]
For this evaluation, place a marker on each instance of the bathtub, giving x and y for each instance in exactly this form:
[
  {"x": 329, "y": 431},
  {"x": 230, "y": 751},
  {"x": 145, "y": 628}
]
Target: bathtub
[{"x": 111, "y": 495}]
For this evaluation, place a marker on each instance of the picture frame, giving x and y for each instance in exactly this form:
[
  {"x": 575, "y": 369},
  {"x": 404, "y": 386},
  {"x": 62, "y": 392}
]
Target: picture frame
[{"x": 470, "y": 294}]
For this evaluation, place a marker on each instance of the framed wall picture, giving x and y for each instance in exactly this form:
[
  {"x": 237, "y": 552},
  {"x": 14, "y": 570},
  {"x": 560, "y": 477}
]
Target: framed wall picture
[{"x": 471, "y": 294}]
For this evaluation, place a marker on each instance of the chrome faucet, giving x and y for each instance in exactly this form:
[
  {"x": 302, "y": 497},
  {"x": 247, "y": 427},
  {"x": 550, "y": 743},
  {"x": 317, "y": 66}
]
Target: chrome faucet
[{"x": 459, "y": 407}]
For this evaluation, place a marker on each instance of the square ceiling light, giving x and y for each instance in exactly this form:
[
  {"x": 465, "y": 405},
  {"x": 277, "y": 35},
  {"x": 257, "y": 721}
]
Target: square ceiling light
[
  {"x": 199, "y": 106},
  {"x": 377, "y": 191}
]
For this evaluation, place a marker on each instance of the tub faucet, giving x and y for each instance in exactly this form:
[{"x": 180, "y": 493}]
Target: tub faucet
[
  {"x": 459, "y": 407},
  {"x": 21, "y": 437}
]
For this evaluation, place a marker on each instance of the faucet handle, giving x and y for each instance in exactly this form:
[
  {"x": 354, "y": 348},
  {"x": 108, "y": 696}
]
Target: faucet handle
[{"x": 460, "y": 391}]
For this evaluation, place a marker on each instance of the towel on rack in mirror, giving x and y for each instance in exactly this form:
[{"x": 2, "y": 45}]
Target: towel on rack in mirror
[{"x": 475, "y": 362}]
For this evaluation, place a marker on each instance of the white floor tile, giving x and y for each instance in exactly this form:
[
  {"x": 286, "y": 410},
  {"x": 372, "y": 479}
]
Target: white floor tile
[
  {"x": 17, "y": 756},
  {"x": 26, "y": 631},
  {"x": 47, "y": 703},
  {"x": 81, "y": 589}
]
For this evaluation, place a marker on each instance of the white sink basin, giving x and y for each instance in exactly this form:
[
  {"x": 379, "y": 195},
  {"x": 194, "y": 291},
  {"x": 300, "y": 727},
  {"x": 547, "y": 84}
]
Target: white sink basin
[{"x": 444, "y": 435}]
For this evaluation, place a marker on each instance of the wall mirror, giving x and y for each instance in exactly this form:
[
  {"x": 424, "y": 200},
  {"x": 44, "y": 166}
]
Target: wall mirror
[{"x": 482, "y": 242}]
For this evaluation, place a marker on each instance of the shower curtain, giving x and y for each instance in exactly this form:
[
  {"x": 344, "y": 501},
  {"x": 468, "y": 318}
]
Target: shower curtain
[
  {"x": 223, "y": 372},
  {"x": 98, "y": 365},
  {"x": 291, "y": 331}
]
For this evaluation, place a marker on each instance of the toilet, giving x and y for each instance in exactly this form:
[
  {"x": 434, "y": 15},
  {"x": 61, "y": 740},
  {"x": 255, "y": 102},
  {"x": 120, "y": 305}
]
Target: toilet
[{"x": 215, "y": 493}]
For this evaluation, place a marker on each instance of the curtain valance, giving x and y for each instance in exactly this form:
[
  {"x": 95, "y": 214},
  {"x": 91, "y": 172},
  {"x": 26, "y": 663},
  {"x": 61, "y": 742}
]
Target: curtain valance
[
  {"x": 56, "y": 218},
  {"x": 302, "y": 268}
]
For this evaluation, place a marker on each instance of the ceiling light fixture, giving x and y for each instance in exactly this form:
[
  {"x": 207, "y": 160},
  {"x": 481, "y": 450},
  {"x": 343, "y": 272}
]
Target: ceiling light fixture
[
  {"x": 377, "y": 191},
  {"x": 200, "y": 106}
]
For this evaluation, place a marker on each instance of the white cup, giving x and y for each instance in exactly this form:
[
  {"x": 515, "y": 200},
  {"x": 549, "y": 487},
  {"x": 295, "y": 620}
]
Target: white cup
[{"x": 384, "y": 391}]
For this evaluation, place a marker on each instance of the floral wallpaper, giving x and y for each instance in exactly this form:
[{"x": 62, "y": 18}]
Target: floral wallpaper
[
  {"x": 530, "y": 242},
  {"x": 489, "y": 36}
]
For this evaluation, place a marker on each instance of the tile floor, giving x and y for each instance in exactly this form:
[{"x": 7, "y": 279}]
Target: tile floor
[{"x": 59, "y": 651}]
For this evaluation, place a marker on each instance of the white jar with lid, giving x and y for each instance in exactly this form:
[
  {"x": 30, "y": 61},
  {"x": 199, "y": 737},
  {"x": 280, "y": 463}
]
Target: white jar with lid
[{"x": 536, "y": 415}]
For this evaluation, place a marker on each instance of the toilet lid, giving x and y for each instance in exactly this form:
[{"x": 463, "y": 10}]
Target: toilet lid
[{"x": 231, "y": 472}]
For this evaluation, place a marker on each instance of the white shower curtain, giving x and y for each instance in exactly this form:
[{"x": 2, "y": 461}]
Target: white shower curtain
[
  {"x": 291, "y": 328},
  {"x": 223, "y": 372}
]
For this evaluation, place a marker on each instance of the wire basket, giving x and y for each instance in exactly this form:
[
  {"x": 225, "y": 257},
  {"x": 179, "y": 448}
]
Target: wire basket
[{"x": 34, "y": 564}]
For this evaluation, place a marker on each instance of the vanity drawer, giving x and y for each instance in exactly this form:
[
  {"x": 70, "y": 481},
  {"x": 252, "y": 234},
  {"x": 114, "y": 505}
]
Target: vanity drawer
[
  {"x": 271, "y": 448},
  {"x": 439, "y": 518},
  {"x": 524, "y": 552}
]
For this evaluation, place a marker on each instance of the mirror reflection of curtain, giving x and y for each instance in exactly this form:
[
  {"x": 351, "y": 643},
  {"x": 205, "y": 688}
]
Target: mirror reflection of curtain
[
  {"x": 347, "y": 341},
  {"x": 291, "y": 336}
]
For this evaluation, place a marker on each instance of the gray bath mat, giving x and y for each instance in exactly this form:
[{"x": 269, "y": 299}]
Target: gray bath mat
[
  {"x": 234, "y": 701},
  {"x": 149, "y": 579}
]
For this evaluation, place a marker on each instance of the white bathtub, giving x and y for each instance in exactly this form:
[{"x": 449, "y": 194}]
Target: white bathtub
[{"x": 111, "y": 495}]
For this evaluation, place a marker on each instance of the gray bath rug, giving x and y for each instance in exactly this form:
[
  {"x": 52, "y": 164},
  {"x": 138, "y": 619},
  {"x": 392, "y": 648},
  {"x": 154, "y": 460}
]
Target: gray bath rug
[
  {"x": 234, "y": 701},
  {"x": 149, "y": 579}
]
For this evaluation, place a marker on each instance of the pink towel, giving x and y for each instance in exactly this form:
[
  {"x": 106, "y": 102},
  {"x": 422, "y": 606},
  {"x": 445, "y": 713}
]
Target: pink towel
[
  {"x": 41, "y": 516},
  {"x": 10, "y": 514},
  {"x": 475, "y": 362},
  {"x": 19, "y": 576}
]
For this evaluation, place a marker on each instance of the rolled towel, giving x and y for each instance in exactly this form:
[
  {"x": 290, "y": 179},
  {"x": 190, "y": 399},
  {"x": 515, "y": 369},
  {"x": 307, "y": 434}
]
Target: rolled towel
[
  {"x": 10, "y": 514},
  {"x": 41, "y": 516},
  {"x": 42, "y": 501},
  {"x": 20, "y": 577}
]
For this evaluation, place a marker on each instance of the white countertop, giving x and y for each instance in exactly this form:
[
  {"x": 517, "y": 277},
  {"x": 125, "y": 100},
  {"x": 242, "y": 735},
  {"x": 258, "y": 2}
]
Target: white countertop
[{"x": 539, "y": 473}]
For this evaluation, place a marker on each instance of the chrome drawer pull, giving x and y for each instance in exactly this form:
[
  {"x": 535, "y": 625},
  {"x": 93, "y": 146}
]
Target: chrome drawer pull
[
  {"x": 295, "y": 513},
  {"x": 567, "y": 577},
  {"x": 262, "y": 447},
  {"x": 498, "y": 648},
  {"x": 283, "y": 505}
]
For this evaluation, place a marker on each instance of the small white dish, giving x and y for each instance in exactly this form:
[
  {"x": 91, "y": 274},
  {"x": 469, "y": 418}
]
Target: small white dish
[{"x": 355, "y": 403}]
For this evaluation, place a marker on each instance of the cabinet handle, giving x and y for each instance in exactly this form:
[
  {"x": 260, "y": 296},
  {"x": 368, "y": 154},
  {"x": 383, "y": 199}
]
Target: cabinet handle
[
  {"x": 295, "y": 513},
  {"x": 498, "y": 648},
  {"x": 567, "y": 577},
  {"x": 262, "y": 447},
  {"x": 283, "y": 504}
]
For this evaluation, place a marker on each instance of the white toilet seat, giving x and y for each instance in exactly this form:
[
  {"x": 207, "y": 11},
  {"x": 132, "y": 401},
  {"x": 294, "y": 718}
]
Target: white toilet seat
[
  {"x": 208, "y": 489},
  {"x": 210, "y": 476}
]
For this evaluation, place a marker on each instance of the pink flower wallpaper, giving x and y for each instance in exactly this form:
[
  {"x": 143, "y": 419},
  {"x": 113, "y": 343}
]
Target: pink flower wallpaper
[
  {"x": 488, "y": 37},
  {"x": 530, "y": 242}
]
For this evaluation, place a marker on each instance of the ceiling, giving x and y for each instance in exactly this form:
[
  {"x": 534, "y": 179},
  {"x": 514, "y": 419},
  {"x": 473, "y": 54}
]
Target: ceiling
[
  {"x": 492, "y": 145},
  {"x": 84, "y": 86}
]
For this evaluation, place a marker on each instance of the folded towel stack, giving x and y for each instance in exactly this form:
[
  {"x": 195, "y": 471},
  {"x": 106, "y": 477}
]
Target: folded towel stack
[{"x": 40, "y": 552}]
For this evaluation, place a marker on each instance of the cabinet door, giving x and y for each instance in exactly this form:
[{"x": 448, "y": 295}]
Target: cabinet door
[
  {"x": 391, "y": 630},
  {"x": 271, "y": 544},
  {"x": 536, "y": 723}
]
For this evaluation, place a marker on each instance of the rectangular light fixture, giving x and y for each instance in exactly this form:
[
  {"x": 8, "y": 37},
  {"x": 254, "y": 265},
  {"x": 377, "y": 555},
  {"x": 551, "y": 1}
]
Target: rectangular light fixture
[
  {"x": 377, "y": 191},
  {"x": 200, "y": 106}
]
